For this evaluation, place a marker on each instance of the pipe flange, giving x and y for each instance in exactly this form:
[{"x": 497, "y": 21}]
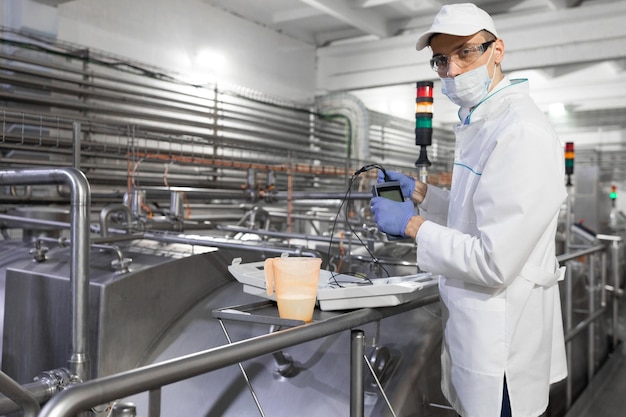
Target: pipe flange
[{"x": 58, "y": 379}]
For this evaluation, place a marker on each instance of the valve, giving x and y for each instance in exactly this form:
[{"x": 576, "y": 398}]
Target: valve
[{"x": 39, "y": 251}]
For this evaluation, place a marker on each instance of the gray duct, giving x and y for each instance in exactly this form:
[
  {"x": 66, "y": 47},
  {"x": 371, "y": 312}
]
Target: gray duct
[{"x": 354, "y": 110}]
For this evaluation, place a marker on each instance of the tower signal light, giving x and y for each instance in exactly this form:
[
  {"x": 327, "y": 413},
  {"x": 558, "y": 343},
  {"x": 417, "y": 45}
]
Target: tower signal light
[
  {"x": 569, "y": 158},
  {"x": 613, "y": 193},
  {"x": 569, "y": 162},
  {"x": 423, "y": 121}
]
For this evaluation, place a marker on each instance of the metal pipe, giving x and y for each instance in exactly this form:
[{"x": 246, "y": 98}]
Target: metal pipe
[
  {"x": 79, "y": 267},
  {"x": 45, "y": 386},
  {"x": 568, "y": 290},
  {"x": 591, "y": 328},
  {"x": 100, "y": 391},
  {"x": 571, "y": 256},
  {"x": 583, "y": 325},
  {"x": 307, "y": 195},
  {"x": 568, "y": 304},
  {"x": 603, "y": 281},
  {"x": 38, "y": 390},
  {"x": 379, "y": 384},
  {"x": 118, "y": 238},
  {"x": 120, "y": 264},
  {"x": 568, "y": 328},
  {"x": 615, "y": 252},
  {"x": 76, "y": 144},
  {"x": 38, "y": 222},
  {"x": 244, "y": 373},
  {"x": 154, "y": 402},
  {"x": 105, "y": 215},
  {"x": 357, "y": 390},
  {"x": 615, "y": 249},
  {"x": 208, "y": 241},
  {"x": 19, "y": 395},
  {"x": 284, "y": 235}
]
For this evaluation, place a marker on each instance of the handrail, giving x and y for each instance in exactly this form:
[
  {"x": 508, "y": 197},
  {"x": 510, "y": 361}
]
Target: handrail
[
  {"x": 573, "y": 255},
  {"x": 81, "y": 397},
  {"x": 79, "y": 268},
  {"x": 593, "y": 313}
]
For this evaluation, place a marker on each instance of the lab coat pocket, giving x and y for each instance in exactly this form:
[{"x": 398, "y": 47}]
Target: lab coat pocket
[{"x": 475, "y": 330}]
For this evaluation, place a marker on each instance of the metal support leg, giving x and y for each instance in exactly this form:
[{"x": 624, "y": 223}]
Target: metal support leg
[
  {"x": 569, "y": 215},
  {"x": 617, "y": 292},
  {"x": 243, "y": 371},
  {"x": 568, "y": 327},
  {"x": 357, "y": 389},
  {"x": 154, "y": 403},
  {"x": 591, "y": 329},
  {"x": 380, "y": 386}
]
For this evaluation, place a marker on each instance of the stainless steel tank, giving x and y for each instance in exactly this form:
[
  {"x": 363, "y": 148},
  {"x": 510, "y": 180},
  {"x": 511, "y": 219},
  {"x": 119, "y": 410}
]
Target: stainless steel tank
[
  {"x": 161, "y": 308},
  {"x": 128, "y": 311},
  {"x": 403, "y": 350}
]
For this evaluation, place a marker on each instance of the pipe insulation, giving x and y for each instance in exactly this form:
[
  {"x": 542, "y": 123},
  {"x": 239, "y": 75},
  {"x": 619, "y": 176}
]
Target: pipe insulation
[{"x": 354, "y": 110}]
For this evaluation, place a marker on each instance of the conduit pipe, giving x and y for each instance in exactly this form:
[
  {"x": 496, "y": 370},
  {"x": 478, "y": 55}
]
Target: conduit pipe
[
  {"x": 80, "y": 197},
  {"x": 354, "y": 110}
]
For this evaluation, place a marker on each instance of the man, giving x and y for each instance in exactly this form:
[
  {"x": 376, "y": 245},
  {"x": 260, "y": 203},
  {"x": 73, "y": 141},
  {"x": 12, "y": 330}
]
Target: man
[{"x": 491, "y": 237}]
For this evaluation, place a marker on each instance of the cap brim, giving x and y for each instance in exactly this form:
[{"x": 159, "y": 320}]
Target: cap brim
[{"x": 424, "y": 40}]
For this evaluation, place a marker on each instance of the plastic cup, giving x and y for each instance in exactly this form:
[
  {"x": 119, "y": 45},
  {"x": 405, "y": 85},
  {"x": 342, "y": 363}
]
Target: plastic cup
[{"x": 295, "y": 281}]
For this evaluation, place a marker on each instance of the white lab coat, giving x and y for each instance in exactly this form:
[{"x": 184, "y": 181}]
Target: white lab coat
[{"x": 496, "y": 255}]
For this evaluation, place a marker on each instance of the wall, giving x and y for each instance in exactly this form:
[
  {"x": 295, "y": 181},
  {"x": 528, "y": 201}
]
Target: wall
[{"x": 188, "y": 37}]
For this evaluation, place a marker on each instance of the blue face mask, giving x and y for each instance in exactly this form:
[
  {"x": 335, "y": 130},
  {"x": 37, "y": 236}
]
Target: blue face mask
[{"x": 469, "y": 89}]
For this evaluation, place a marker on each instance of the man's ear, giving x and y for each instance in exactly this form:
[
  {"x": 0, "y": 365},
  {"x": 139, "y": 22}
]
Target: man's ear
[{"x": 498, "y": 51}]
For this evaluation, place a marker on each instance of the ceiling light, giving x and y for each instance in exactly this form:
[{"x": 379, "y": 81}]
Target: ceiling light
[{"x": 556, "y": 109}]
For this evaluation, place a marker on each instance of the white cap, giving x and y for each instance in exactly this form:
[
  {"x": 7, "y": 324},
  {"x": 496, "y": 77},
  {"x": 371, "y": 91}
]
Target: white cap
[{"x": 461, "y": 19}]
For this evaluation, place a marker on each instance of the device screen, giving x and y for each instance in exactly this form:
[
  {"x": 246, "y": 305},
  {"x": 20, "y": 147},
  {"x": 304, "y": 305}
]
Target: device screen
[
  {"x": 390, "y": 190},
  {"x": 392, "y": 193}
]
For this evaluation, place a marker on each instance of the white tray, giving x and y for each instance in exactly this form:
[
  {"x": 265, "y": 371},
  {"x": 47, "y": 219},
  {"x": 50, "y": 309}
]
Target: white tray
[{"x": 353, "y": 293}]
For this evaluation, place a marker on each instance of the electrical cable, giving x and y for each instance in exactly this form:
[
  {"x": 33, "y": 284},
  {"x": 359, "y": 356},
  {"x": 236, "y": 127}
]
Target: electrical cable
[{"x": 346, "y": 198}]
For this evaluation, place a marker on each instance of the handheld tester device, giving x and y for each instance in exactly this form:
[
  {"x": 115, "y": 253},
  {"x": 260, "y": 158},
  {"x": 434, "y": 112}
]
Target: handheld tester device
[
  {"x": 389, "y": 189},
  {"x": 392, "y": 191}
]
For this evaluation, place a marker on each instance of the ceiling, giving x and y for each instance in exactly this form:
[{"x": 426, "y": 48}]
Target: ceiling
[
  {"x": 322, "y": 22},
  {"x": 573, "y": 51}
]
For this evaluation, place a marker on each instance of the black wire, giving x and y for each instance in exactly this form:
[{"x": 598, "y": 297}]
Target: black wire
[
  {"x": 374, "y": 258},
  {"x": 369, "y": 167},
  {"x": 346, "y": 198},
  {"x": 332, "y": 231}
]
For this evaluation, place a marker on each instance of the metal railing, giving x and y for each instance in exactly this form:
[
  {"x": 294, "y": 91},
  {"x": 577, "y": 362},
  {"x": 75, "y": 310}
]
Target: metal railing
[
  {"x": 151, "y": 378},
  {"x": 589, "y": 258},
  {"x": 82, "y": 397}
]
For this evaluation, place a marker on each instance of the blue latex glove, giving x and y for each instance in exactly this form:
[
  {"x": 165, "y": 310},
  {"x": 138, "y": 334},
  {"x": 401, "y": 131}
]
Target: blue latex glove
[
  {"x": 392, "y": 216},
  {"x": 406, "y": 183}
]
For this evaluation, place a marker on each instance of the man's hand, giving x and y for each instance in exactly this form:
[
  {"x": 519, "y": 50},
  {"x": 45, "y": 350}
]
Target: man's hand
[
  {"x": 391, "y": 216},
  {"x": 411, "y": 188},
  {"x": 406, "y": 183}
]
